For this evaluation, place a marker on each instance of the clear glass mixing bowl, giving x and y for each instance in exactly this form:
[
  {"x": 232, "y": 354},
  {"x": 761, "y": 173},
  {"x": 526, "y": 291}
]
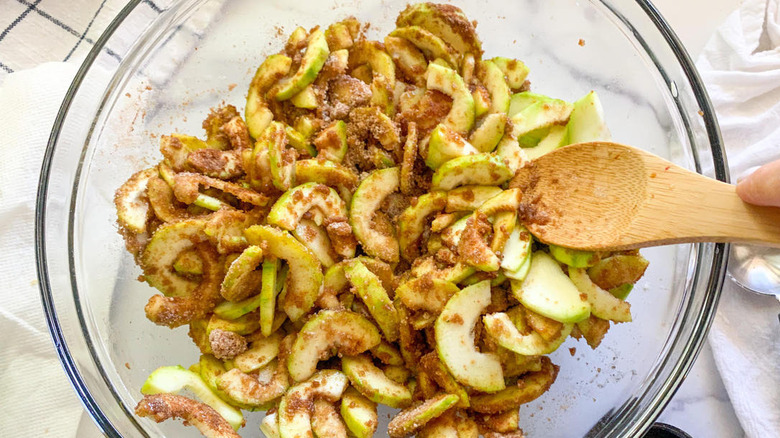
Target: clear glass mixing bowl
[{"x": 159, "y": 68}]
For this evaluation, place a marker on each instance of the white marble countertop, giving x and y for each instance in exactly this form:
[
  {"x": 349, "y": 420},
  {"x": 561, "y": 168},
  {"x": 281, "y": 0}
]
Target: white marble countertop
[{"x": 701, "y": 406}]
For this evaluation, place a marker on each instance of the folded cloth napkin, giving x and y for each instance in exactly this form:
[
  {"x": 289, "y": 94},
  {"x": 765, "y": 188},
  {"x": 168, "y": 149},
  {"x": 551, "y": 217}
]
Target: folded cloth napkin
[{"x": 741, "y": 69}]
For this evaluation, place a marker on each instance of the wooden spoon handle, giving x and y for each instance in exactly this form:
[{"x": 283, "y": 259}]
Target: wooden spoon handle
[{"x": 686, "y": 207}]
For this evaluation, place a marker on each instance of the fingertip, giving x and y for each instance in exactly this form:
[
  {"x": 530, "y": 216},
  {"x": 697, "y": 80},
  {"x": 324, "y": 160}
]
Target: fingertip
[
  {"x": 745, "y": 190},
  {"x": 762, "y": 187}
]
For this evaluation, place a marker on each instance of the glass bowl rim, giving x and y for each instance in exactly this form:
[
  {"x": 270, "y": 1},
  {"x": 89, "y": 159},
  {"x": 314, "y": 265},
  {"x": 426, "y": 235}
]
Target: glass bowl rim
[{"x": 657, "y": 402}]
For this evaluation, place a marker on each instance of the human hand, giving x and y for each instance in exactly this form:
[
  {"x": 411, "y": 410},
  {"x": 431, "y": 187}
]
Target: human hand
[{"x": 762, "y": 187}]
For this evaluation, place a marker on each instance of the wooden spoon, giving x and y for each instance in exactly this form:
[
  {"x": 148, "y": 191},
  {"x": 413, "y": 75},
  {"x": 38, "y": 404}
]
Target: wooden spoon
[{"x": 607, "y": 197}]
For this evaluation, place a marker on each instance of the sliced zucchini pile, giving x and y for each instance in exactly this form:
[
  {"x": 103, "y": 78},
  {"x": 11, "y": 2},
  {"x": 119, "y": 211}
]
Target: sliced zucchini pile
[{"x": 352, "y": 239}]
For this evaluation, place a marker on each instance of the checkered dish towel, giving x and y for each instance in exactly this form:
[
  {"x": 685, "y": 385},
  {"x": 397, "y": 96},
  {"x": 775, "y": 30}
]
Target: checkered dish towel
[{"x": 38, "y": 31}]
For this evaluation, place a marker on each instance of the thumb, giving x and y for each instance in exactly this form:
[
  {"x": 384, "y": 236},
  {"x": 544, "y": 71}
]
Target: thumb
[{"x": 762, "y": 187}]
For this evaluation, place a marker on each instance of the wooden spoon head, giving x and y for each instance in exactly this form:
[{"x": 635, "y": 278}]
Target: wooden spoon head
[{"x": 582, "y": 196}]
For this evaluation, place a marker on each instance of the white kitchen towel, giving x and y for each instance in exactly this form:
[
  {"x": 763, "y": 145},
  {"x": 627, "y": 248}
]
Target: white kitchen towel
[
  {"x": 741, "y": 69},
  {"x": 36, "y": 399}
]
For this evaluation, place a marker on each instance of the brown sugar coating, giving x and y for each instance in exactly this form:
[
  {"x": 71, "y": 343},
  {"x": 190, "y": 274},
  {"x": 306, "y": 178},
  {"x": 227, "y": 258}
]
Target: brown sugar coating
[{"x": 226, "y": 344}]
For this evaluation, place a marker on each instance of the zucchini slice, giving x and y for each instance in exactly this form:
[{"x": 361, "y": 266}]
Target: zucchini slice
[
  {"x": 469, "y": 198},
  {"x": 431, "y": 45},
  {"x": 618, "y": 270},
  {"x": 188, "y": 263},
  {"x": 523, "y": 100},
  {"x": 299, "y": 141},
  {"x": 447, "y": 22},
  {"x": 281, "y": 159},
  {"x": 259, "y": 354},
  {"x": 587, "y": 121},
  {"x": 172, "y": 379},
  {"x": 316, "y": 239},
  {"x": 249, "y": 390},
  {"x": 359, "y": 413},
  {"x": 411, "y": 222},
  {"x": 557, "y": 137},
  {"x": 241, "y": 279},
  {"x": 313, "y": 59},
  {"x": 431, "y": 365},
  {"x": 531, "y": 124},
  {"x": 270, "y": 425},
  {"x": 603, "y": 304},
  {"x": 326, "y": 421},
  {"x": 527, "y": 389},
  {"x": 451, "y": 424},
  {"x": 426, "y": 293},
  {"x": 493, "y": 79},
  {"x": 548, "y": 291},
  {"x": 515, "y": 71},
  {"x": 511, "y": 153},
  {"x": 508, "y": 201},
  {"x": 387, "y": 354},
  {"x": 574, "y": 258},
  {"x": 368, "y": 287},
  {"x": 288, "y": 210},
  {"x": 372, "y": 53},
  {"x": 501, "y": 328},
  {"x": 455, "y": 345},
  {"x": 461, "y": 117},
  {"x": 324, "y": 172},
  {"x": 257, "y": 114},
  {"x": 331, "y": 142},
  {"x": 305, "y": 276},
  {"x": 446, "y": 144},
  {"x": 486, "y": 136},
  {"x": 295, "y": 408},
  {"x": 271, "y": 286},
  {"x": 408, "y": 58},
  {"x": 161, "y": 407},
  {"x": 306, "y": 98},
  {"x": 472, "y": 246},
  {"x": 328, "y": 332},
  {"x": 373, "y": 383},
  {"x": 480, "y": 169},
  {"x": 157, "y": 259},
  {"x": 132, "y": 204},
  {"x": 336, "y": 280},
  {"x": 412, "y": 419},
  {"x": 365, "y": 202},
  {"x": 409, "y": 157},
  {"x": 517, "y": 249}
]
